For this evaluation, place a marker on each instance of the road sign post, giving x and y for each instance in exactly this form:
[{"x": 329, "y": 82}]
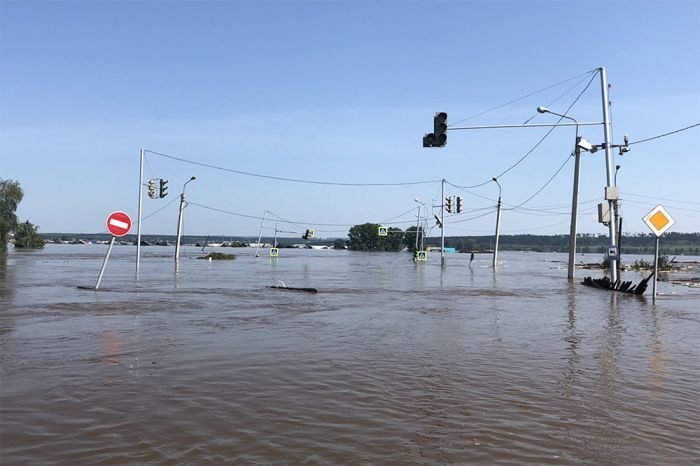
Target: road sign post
[
  {"x": 658, "y": 221},
  {"x": 118, "y": 224}
]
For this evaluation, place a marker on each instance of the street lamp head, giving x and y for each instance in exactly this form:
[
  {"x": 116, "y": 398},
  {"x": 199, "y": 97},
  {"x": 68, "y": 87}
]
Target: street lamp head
[
  {"x": 494, "y": 179},
  {"x": 582, "y": 143},
  {"x": 193, "y": 178},
  {"x": 542, "y": 109}
]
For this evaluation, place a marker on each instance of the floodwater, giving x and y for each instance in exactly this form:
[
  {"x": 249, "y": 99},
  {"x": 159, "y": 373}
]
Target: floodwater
[{"x": 391, "y": 363}]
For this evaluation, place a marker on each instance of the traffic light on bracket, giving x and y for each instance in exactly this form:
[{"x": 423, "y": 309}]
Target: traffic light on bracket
[
  {"x": 438, "y": 138},
  {"x": 448, "y": 204},
  {"x": 459, "y": 205},
  {"x": 163, "y": 188},
  {"x": 152, "y": 189}
]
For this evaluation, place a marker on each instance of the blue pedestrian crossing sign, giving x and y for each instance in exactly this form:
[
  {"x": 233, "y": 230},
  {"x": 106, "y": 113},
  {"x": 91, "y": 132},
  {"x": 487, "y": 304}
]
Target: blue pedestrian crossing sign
[
  {"x": 382, "y": 231},
  {"x": 612, "y": 252}
]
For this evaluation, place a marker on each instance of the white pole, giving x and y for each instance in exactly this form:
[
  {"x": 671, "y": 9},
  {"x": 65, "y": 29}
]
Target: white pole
[
  {"x": 138, "y": 228},
  {"x": 498, "y": 228},
  {"x": 417, "y": 226},
  {"x": 612, "y": 227},
  {"x": 179, "y": 227},
  {"x": 104, "y": 263},
  {"x": 656, "y": 270},
  {"x": 257, "y": 246},
  {"x": 442, "y": 229}
]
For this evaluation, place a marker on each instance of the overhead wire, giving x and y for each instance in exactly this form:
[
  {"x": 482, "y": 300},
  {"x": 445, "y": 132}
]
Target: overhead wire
[
  {"x": 522, "y": 97},
  {"x": 543, "y": 186},
  {"x": 280, "y": 178},
  {"x": 665, "y": 134}
]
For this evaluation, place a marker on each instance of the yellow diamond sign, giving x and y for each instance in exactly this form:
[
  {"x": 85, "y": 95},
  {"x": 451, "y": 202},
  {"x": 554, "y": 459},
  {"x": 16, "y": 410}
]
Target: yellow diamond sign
[{"x": 658, "y": 220}]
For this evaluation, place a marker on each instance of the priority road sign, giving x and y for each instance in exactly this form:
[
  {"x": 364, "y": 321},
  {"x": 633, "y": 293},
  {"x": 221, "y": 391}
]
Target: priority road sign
[
  {"x": 658, "y": 220},
  {"x": 118, "y": 223}
]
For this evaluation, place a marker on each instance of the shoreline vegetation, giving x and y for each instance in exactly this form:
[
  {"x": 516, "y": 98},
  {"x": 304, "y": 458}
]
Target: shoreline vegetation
[{"x": 672, "y": 244}]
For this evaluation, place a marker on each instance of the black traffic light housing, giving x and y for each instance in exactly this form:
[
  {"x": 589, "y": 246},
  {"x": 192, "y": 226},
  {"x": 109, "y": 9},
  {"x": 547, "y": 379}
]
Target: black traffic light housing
[
  {"x": 438, "y": 138},
  {"x": 448, "y": 204},
  {"x": 163, "y": 188},
  {"x": 459, "y": 205}
]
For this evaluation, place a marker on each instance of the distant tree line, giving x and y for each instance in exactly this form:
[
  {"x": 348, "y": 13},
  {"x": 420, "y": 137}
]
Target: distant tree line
[{"x": 365, "y": 238}]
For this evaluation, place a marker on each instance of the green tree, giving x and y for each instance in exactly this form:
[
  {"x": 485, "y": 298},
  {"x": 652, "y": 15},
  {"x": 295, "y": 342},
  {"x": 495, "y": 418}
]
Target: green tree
[
  {"x": 339, "y": 244},
  {"x": 27, "y": 237},
  {"x": 409, "y": 239},
  {"x": 10, "y": 196},
  {"x": 365, "y": 237}
]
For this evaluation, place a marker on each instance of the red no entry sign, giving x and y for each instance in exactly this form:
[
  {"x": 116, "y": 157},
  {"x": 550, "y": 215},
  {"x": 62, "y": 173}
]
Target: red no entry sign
[{"x": 118, "y": 223}]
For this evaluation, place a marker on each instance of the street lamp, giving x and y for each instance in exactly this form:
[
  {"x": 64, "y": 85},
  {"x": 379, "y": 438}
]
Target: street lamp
[
  {"x": 498, "y": 222},
  {"x": 421, "y": 203},
  {"x": 581, "y": 144},
  {"x": 179, "y": 220}
]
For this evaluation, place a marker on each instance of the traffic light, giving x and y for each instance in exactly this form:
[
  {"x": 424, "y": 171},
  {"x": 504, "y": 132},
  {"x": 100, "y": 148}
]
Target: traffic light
[
  {"x": 448, "y": 204},
  {"x": 163, "y": 188},
  {"x": 437, "y": 221},
  {"x": 438, "y": 138},
  {"x": 459, "y": 205},
  {"x": 152, "y": 189}
]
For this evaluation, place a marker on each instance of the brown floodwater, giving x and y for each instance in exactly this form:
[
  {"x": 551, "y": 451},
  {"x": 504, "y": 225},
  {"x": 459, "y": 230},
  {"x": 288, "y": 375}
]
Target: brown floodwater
[{"x": 391, "y": 363}]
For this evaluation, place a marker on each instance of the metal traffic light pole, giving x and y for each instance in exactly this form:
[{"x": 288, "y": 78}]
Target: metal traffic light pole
[
  {"x": 442, "y": 226},
  {"x": 138, "y": 227}
]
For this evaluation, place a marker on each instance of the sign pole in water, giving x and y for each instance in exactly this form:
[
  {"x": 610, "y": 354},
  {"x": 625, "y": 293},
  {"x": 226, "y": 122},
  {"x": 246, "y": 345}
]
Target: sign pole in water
[
  {"x": 118, "y": 224},
  {"x": 104, "y": 263},
  {"x": 658, "y": 221}
]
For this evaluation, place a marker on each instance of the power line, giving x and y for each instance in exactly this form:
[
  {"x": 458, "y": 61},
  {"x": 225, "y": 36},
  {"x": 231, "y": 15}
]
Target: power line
[
  {"x": 625, "y": 193},
  {"x": 523, "y": 97},
  {"x": 550, "y": 130},
  {"x": 543, "y": 186},
  {"x": 279, "y": 178},
  {"x": 542, "y": 139},
  {"x": 665, "y": 134}
]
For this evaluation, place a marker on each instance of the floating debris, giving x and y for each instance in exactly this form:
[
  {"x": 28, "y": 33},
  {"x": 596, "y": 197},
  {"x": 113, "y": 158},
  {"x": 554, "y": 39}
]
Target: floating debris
[
  {"x": 279, "y": 285},
  {"x": 621, "y": 286},
  {"x": 218, "y": 256}
]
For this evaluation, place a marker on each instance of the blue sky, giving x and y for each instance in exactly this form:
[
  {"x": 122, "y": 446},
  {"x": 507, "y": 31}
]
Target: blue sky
[{"x": 342, "y": 92}]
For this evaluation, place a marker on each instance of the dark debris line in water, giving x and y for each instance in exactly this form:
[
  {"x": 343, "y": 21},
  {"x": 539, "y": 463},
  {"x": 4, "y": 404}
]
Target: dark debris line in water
[{"x": 391, "y": 363}]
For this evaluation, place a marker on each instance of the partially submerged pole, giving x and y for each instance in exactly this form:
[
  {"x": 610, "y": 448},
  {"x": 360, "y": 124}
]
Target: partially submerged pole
[
  {"x": 104, "y": 263},
  {"x": 138, "y": 227},
  {"x": 656, "y": 270},
  {"x": 612, "y": 227},
  {"x": 257, "y": 245},
  {"x": 574, "y": 214}
]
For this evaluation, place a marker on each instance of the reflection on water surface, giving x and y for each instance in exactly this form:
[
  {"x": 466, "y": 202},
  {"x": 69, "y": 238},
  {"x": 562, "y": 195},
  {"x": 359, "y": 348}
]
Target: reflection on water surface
[{"x": 390, "y": 363}]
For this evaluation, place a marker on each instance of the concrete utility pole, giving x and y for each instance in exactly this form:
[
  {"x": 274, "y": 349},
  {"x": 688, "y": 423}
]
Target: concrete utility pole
[
  {"x": 498, "y": 223},
  {"x": 612, "y": 227}
]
